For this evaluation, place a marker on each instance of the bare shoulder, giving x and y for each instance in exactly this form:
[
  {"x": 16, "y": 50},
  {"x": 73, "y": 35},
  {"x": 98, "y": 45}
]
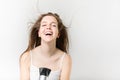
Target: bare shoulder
[
  {"x": 24, "y": 66},
  {"x": 68, "y": 57},
  {"x": 66, "y": 67},
  {"x": 25, "y": 57}
]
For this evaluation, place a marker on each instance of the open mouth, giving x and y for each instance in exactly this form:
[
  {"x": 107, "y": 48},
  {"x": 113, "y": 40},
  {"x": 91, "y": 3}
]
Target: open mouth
[{"x": 48, "y": 33}]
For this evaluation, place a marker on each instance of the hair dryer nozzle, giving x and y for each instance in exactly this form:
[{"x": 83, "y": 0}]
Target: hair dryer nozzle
[{"x": 44, "y": 71}]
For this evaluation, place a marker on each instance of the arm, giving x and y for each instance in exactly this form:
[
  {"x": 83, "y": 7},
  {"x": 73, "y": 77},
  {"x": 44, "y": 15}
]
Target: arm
[
  {"x": 66, "y": 68},
  {"x": 24, "y": 66}
]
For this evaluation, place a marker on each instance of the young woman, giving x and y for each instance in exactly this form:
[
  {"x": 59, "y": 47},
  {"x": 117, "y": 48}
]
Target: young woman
[{"x": 48, "y": 47}]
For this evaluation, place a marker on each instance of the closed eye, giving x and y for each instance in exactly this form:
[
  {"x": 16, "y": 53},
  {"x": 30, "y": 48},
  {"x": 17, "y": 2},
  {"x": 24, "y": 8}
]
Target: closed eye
[
  {"x": 54, "y": 25},
  {"x": 43, "y": 25}
]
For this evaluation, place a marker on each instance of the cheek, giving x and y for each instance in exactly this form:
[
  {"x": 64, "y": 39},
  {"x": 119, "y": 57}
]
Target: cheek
[
  {"x": 40, "y": 31},
  {"x": 57, "y": 33}
]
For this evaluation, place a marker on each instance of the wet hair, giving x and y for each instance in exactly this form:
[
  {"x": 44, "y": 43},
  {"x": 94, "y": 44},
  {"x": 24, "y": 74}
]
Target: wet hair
[{"x": 62, "y": 42}]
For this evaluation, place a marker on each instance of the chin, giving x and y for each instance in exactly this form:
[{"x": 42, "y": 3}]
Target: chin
[{"x": 48, "y": 40}]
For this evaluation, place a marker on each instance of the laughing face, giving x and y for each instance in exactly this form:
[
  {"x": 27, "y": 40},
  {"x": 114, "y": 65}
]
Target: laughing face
[{"x": 48, "y": 30}]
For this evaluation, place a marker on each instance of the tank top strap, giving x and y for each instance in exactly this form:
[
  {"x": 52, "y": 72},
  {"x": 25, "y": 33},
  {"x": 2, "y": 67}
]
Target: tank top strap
[{"x": 61, "y": 60}]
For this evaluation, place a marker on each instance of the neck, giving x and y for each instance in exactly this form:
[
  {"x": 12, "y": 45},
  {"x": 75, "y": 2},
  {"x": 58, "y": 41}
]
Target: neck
[{"x": 48, "y": 48}]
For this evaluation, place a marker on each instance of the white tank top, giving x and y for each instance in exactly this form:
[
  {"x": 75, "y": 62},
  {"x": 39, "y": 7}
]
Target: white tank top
[{"x": 54, "y": 75}]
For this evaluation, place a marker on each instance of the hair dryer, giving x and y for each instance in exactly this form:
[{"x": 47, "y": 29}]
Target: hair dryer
[{"x": 44, "y": 73}]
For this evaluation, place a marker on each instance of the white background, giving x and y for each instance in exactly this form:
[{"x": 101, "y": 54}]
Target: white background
[{"x": 94, "y": 32}]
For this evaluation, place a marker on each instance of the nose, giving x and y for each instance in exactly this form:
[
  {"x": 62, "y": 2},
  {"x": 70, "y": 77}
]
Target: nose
[{"x": 48, "y": 27}]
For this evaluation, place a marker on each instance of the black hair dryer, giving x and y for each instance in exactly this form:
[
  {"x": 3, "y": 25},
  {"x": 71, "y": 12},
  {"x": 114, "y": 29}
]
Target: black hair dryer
[{"x": 44, "y": 73}]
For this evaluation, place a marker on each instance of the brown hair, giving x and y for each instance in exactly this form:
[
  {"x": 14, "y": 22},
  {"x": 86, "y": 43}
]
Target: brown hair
[{"x": 34, "y": 40}]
